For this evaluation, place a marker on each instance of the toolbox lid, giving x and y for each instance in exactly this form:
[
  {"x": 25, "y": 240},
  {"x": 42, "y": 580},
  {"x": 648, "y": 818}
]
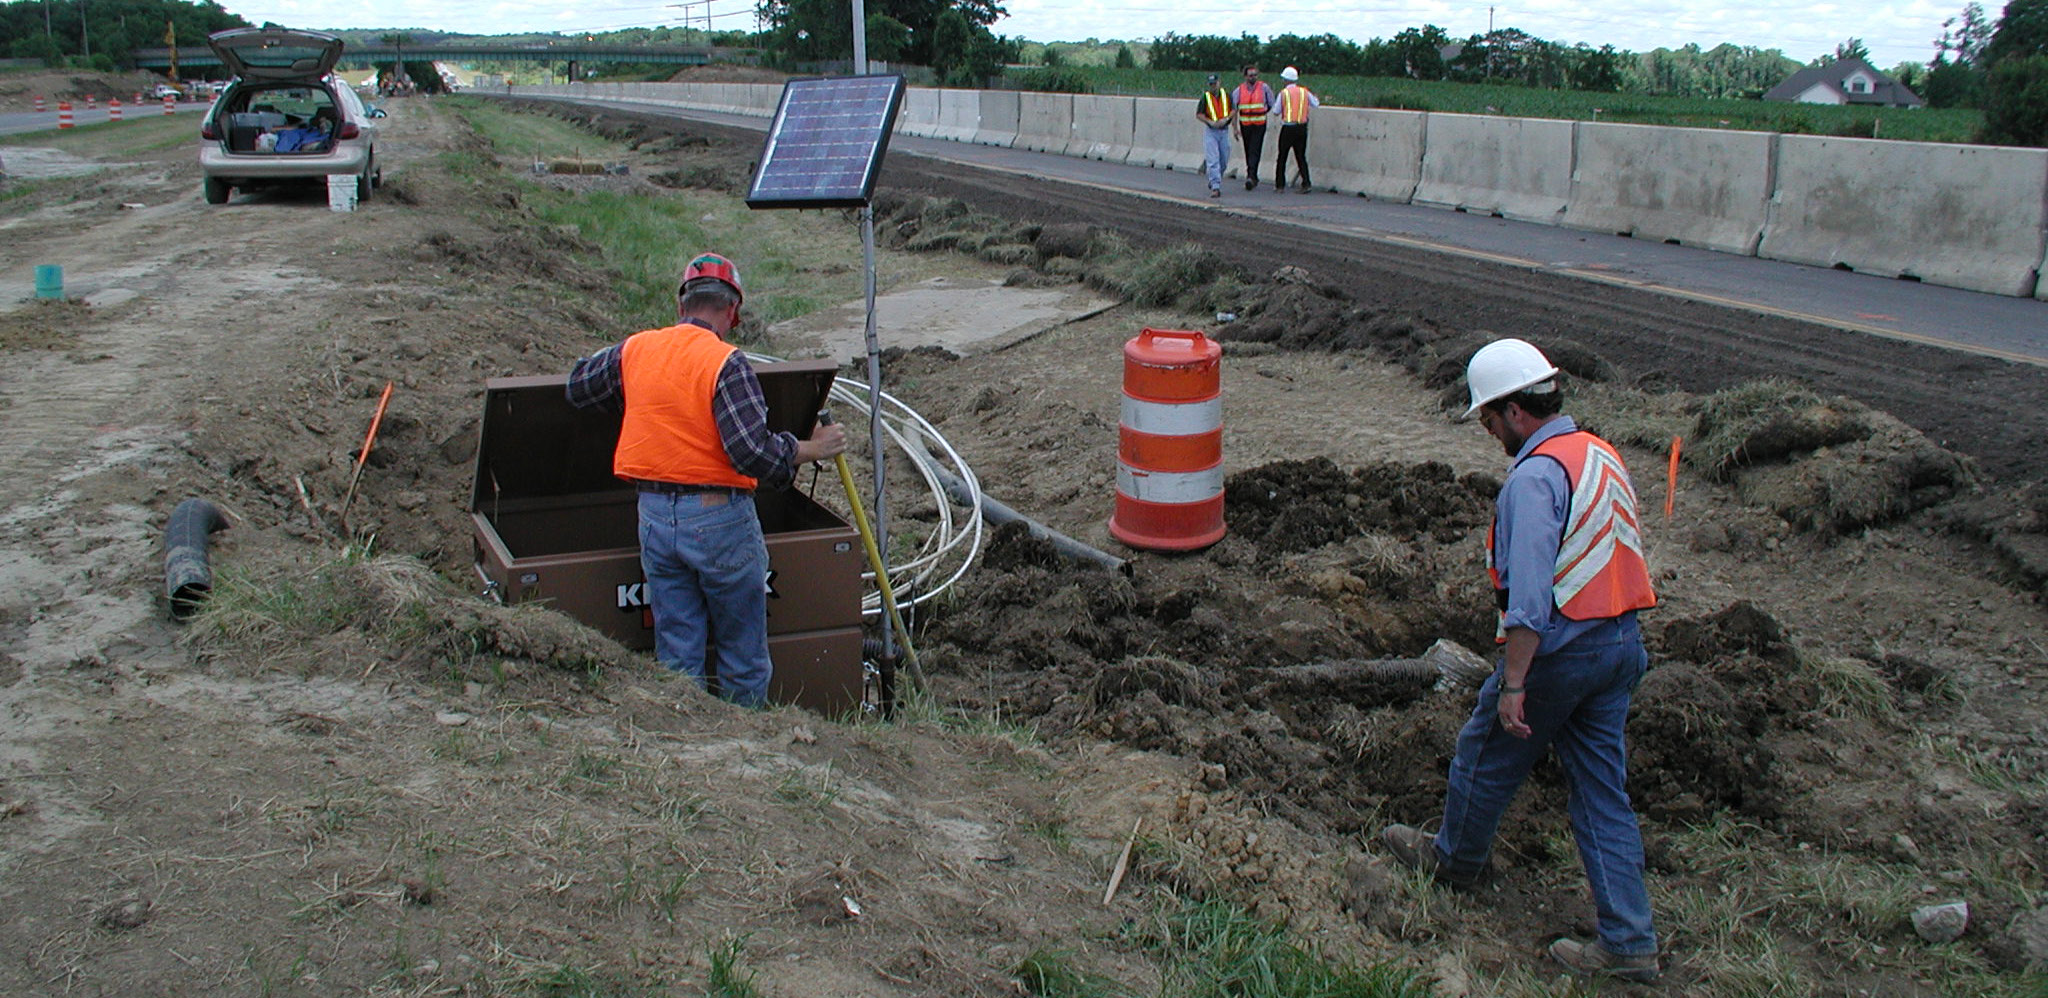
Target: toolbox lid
[{"x": 533, "y": 444}]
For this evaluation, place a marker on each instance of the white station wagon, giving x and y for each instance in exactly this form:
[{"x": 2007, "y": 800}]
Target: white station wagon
[{"x": 284, "y": 119}]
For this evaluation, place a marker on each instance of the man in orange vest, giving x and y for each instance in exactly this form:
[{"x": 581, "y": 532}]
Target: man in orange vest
[
  {"x": 1215, "y": 114},
  {"x": 1294, "y": 105},
  {"x": 1254, "y": 102},
  {"x": 694, "y": 437},
  {"x": 1566, "y": 557}
]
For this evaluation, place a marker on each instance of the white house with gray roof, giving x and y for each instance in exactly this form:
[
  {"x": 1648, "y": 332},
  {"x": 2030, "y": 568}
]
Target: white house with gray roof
[{"x": 1844, "y": 81}]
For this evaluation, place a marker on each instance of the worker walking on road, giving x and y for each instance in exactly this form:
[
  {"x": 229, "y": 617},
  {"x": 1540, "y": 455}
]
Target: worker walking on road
[
  {"x": 695, "y": 439},
  {"x": 1254, "y": 103},
  {"x": 1215, "y": 114},
  {"x": 1294, "y": 106},
  {"x": 1566, "y": 558}
]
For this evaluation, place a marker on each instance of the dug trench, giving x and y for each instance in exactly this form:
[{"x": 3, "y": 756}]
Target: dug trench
[{"x": 1768, "y": 708}]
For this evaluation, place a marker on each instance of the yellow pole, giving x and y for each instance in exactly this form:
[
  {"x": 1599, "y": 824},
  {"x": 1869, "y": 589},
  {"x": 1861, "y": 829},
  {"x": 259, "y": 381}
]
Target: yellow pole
[{"x": 867, "y": 542}]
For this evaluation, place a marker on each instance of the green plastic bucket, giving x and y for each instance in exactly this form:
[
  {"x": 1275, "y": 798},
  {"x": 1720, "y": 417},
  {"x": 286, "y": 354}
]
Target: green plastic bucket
[{"x": 49, "y": 280}]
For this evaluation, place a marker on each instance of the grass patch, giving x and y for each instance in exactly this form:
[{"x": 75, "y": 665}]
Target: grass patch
[
  {"x": 530, "y": 138},
  {"x": 349, "y": 609},
  {"x": 730, "y": 977},
  {"x": 115, "y": 139},
  {"x": 1050, "y": 973},
  {"x": 1768, "y": 420},
  {"x": 1215, "y": 949},
  {"x": 1746, "y": 894},
  {"x": 1850, "y": 686}
]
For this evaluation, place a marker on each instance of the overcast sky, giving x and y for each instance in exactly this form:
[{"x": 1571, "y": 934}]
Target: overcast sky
[{"x": 1895, "y": 30}]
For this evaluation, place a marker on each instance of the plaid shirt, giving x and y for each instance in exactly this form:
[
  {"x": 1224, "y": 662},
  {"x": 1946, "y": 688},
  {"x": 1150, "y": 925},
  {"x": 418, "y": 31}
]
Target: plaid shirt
[{"x": 736, "y": 402}]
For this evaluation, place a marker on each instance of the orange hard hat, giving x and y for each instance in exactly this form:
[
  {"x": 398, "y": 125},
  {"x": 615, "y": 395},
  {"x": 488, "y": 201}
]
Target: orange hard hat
[{"x": 716, "y": 267}]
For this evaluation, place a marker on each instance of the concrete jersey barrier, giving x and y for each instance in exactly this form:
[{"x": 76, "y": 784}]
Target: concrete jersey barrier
[
  {"x": 959, "y": 115},
  {"x": 1694, "y": 186},
  {"x": 1964, "y": 216},
  {"x": 1517, "y": 168},
  {"x": 998, "y": 121},
  {"x": 1363, "y": 151},
  {"x": 1165, "y": 134},
  {"x": 1102, "y": 128},
  {"x": 1045, "y": 122},
  {"x": 919, "y": 114}
]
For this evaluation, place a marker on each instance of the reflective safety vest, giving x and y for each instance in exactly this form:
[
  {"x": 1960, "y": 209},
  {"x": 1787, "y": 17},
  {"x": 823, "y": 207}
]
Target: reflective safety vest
[
  {"x": 1217, "y": 104},
  {"x": 1251, "y": 103},
  {"x": 1294, "y": 105},
  {"x": 669, "y": 433},
  {"x": 1600, "y": 569}
]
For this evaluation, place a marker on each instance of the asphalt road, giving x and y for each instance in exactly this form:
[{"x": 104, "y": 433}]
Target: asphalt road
[{"x": 43, "y": 121}]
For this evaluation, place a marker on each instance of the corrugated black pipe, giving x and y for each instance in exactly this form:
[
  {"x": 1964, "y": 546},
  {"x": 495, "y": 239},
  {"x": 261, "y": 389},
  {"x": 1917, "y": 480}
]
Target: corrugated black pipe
[{"x": 187, "y": 576}]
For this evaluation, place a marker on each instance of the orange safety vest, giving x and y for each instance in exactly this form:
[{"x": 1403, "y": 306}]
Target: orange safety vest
[
  {"x": 1601, "y": 571},
  {"x": 1294, "y": 105},
  {"x": 1251, "y": 103},
  {"x": 669, "y": 433},
  {"x": 1217, "y": 103}
]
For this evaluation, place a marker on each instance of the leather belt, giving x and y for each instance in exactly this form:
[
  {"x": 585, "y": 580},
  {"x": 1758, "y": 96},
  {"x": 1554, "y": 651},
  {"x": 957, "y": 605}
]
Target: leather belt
[{"x": 684, "y": 489}]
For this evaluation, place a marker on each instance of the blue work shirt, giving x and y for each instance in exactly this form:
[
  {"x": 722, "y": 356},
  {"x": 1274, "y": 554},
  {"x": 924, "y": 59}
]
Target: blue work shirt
[{"x": 1529, "y": 519}]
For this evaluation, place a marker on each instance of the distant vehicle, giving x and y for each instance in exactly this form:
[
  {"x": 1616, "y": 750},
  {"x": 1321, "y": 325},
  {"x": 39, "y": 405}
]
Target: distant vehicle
[
  {"x": 164, "y": 90},
  {"x": 284, "y": 118}
]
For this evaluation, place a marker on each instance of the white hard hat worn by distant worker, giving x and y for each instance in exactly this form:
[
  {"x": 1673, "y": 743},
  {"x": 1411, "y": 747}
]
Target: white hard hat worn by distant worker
[
  {"x": 1290, "y": 74},
  {"x": 1504, "y": 367}
]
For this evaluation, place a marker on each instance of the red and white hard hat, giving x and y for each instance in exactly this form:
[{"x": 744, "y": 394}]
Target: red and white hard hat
[
  {"x": 713, "y": 266},
  {"x": 1504, "y": 367}
]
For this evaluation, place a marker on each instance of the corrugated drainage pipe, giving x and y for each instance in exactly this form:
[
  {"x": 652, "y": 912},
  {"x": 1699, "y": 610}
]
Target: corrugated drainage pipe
[{"x": 187, "y": 576}]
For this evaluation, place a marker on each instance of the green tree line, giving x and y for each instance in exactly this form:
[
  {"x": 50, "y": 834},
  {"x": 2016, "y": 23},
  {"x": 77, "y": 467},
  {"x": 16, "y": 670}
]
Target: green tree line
[{"x": 104, "y": 34}]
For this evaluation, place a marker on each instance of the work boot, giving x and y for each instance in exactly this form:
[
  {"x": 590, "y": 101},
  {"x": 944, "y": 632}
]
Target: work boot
[
  {"x": 1416, "y": 849},
  {"x": 1595, "y": 960},
  {"x": 1215, "y": 192},
  {"x": 1306, "y": 189},
  {"x": 1252, "y": 184}
]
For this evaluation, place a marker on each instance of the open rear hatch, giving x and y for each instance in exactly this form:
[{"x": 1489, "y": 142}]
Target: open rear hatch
[{"x": 276, "y": 53}]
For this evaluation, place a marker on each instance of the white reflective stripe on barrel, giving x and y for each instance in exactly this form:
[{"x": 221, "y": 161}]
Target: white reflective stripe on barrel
[
  {"x": 1169, "y": 486},
  {"x": 1173, "y": 419}
]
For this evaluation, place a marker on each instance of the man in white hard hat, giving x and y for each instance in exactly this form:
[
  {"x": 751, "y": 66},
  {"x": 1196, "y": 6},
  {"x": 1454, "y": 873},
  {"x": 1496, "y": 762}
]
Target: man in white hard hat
[
  {"x": 1293, "y": 106},
  {"x": 1565, "y": 556}
]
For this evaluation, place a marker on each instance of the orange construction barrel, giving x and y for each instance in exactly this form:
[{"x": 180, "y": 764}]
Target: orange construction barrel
[
  {"x": 1169, "y": 476},
  {"x": 64, "y": 115}
]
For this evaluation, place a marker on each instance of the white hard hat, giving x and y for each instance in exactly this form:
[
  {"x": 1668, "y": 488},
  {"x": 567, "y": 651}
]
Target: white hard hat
[
  {"x": 1504, "y": 367},
  {"x": 1290, "y": 74}
]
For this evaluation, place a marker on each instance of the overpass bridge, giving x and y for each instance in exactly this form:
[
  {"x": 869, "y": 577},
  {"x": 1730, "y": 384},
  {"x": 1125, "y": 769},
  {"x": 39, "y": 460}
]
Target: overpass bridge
[{"x": 365, "y": 56}]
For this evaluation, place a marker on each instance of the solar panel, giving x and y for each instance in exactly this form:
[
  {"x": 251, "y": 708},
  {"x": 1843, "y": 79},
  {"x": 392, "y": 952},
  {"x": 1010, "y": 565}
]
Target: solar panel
[{"x": 826, "y": 142}]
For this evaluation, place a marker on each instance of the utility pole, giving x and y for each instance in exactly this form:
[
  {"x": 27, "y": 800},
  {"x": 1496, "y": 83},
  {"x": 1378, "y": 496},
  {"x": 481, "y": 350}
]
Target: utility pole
[{"x": 84, "y": 41}]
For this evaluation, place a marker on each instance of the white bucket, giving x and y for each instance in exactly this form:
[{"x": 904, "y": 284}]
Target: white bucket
[{"x": 341, "y": 192}]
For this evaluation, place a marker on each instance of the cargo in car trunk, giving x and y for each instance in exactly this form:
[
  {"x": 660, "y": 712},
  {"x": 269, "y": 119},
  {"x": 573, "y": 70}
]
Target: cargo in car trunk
[{"x": 552, "y": 523}]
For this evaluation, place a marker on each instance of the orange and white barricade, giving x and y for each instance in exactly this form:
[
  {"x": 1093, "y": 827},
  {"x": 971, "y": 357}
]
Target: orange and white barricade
[{"x": 1169, "y": 476}]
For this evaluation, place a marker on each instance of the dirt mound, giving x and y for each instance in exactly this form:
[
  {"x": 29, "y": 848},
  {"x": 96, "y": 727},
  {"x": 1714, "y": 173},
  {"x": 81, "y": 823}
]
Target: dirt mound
[{"x": 327, "y": 618}]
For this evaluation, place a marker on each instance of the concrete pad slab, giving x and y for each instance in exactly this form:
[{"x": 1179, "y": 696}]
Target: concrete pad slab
[{"x": 964, "y": 315}]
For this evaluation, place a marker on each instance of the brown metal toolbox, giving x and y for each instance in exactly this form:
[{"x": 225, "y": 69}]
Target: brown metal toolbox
[{"x": 552, "y": 523}]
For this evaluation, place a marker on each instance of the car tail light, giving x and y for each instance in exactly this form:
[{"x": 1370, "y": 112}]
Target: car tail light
[
  {"x": 208, "y": 132},
  {"x": 349, "y": 130}
]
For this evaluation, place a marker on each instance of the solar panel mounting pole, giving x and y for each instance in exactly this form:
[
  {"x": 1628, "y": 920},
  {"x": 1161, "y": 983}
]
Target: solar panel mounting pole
[
  {"x": 824, "y": 149},
  {"x": 867, "y": 253}
]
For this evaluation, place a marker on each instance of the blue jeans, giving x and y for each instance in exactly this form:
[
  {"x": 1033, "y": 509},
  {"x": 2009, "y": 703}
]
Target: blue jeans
[
  {"x": 1215, "y": 154},
  {"x": 1577, "y": 703},
  {"x": 707, "y": 579}
]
